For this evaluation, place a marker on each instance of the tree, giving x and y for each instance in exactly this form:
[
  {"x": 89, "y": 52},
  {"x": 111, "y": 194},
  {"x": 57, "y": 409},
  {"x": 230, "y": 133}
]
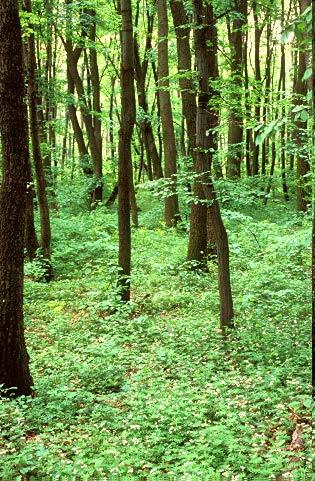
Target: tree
[
  {"x": 300, "y": 90},
  {"x": 141, "y": 69},
  {"x": 14, "y": 369},
  {"x": 171, "y": 211},
  {"x": 204, "y": 34},
  {"x": 90, "y": 112},
  {"x": 235, "y": 133},
  {"x": 128, "y": 116},
  {"x": 313, "y": 234},
  {"x": 41, "y": 184}
]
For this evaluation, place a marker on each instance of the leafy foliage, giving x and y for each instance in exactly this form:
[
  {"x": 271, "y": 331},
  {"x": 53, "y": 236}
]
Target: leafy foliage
[{"x": 152, "y": 390}]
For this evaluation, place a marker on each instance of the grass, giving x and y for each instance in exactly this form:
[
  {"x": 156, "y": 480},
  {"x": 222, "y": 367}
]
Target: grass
[{"x": 152, "y": 391}]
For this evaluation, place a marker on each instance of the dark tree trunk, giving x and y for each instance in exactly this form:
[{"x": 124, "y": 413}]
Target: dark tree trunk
[
  {"x": 235, "y": 133},
  {"x": 283, "y": 129},
  {"x": 265, "y": 109},
  {"x": 171, "y": 212},
  {"x": 197, "y": 245},
  {"x": 258, "y": 33},
  {"x": 30, "y": 239},
  {"x": 78, "y": 133},
  {"x": 145, "y": 123},
  {"x": 205, "y": 34},
  {"x": 313, "y": 236},
  {"x": 111, "y": 121},
  {"x": 96, "y": 108},
  {"x": 272, "y": 171},
  {"x": 248, "y": 134},
  {"x": 45, "y": 241},
  {"x": 14, "y": 370},
  {"x": 92, "y": 128},
  {"x": 128, "y": 117}
]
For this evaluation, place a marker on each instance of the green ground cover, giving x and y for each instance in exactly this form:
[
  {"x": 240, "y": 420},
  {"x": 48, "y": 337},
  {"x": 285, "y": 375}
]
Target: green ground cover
[{"x": 152, "y": 391}]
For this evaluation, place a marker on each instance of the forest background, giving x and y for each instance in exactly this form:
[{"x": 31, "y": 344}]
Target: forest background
[{"x": 168, "y": 336}]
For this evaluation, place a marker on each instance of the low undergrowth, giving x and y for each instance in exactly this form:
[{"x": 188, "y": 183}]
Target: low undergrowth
[{"x": 152, "y": 390}]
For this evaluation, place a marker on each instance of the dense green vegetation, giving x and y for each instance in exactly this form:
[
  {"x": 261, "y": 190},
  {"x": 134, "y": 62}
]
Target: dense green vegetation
[
  {"x": 156, "y": 215},
  {"x": 152, "y": 390}
]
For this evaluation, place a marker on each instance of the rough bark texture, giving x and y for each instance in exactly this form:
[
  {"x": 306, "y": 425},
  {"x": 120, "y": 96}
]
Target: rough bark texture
[
  {"x": 235, "y": 133},
  {"x": 14, "y": 369},
  {"x": 128, "y": 116},
  {"x": 171, "y": 212},
  {"x": 313, "y": 236},
  {"x": 204, "y": 19},
  {"x": 197, "y": 245}
]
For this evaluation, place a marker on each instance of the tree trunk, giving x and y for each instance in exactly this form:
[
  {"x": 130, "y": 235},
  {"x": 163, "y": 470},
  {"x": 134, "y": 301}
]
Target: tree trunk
[
  {"x": 197, "y": 245},
  {"x": 96, "y": 108},
  {"x": 128, "y": 117},
  {"x": 302, "y": 160},
  {"x": 258, "y": 32},
  {"x": 313, "y": 236},
  {"x": 205, "y": 34},
  {"x": 145, "y": 123},
  {"x": 283, "y": 129},
  {"x": 235, "y": 133},
  {"x": 171, "y": 211},
  {"x": 45, "y": 242},
  {"x": 14, "y": 370}
]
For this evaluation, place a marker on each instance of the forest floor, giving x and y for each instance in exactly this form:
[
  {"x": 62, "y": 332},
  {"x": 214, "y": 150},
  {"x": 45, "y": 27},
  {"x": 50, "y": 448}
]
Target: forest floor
[{"x": 152, "y": 391}]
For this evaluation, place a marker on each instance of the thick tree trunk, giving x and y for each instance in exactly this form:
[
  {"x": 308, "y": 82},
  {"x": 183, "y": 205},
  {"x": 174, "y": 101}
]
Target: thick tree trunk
[
  {"x": 45, "y": 241},
  {"x": 197, "y": 245},
  {"x": 171, "y": 212},
  {"x": 14, "y": 370},
  {"x": 205, "y": 34},
  {"x": 128, "y": 117}
]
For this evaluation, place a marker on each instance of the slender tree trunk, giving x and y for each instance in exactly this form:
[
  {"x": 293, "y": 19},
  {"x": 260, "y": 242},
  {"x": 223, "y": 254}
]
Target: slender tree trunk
[
  {"x": 45, "y": 242},
  {"x": 313, "y": 236},
  {"x": 248, "y": 134},
  {"x": 128, "y": 117},
  {"x": 171, "y": 212},
  {"x": 145, "y": 123},
  {"x": 205, "y": 34},
  {"x": 111, "y": 120},
  {"x": 14, "y": 369},
  {"x": 269, "y": 52},
  {"x": 283, "y": 129},
  {"x": 96, "y": 108},
  {"x": 272, "y": 171},
  {"x": 258, "y": 33},
  {"x": 235, "y": 133},
  {"x": 30, "y": 239},
  {"x": 302, "y": 160}
]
